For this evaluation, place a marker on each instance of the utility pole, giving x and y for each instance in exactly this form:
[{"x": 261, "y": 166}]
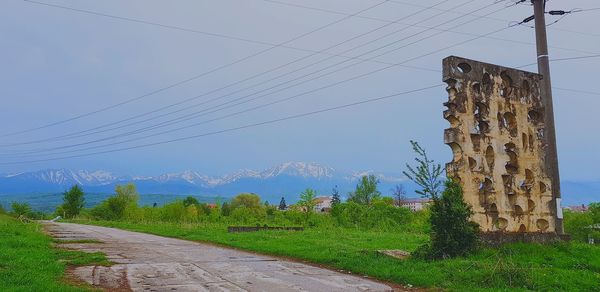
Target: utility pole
[{"x": 539, "y": 9}]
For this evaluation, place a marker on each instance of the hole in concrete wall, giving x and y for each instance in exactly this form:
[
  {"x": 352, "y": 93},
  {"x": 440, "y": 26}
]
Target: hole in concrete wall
[
  {"x": 501, "y": 223},
  {"x": 486, "y": 83},
  {"x": 543, "y": 187},
  {"x": 534, "y": 117},
  {"x": 476, "y": 140},
  {"x": 540, "y": 134},
  {"x": 483, "y": 127},
  {"x": 490, "y": 157},
  {"x": 507, "y": 81},
  {"x": 476, "y": 87},
  {"x": 464, "y": 68},
  {"x": 525, "y": 89},
  {"x": 472, "y": 163},
  {"x": 529, "y": 179},
  {"x": 508, "y": 181},
  {"x": 486, "y": 187},
  {"x": 512, "y": 165},
  {"x": 530, "y": 205},
  {"x": 531, "y": 142},
  {"x": 519, "y": 211},
  {"x": 542, "y": 224},
  {"x": 500, "y": 119},
  {"x": 524, "y": 140},
  {"x": 456, "y": 151},
  {"x": 522, "y": 228},
  {"x": 510, "y": 121},
  {"x": 480, "y": 110}
]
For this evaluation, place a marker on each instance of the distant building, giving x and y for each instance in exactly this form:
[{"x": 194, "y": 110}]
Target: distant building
[
  {"x": 415, "y": 204},
  {"x": 582, "y": 208},
  {"x": 323, "y": 204},
  {"x": 212, "y": 206}
]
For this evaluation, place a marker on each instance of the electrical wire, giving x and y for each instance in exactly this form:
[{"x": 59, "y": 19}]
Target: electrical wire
[
  {"x": 177, "y": 83},
  {"x": 234, "y": 128},
  {"x": 261, "y": 106}
]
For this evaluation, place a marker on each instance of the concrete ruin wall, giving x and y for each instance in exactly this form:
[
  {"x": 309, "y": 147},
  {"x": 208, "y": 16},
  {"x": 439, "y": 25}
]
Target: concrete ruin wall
[{"x": 496, "y": 135}]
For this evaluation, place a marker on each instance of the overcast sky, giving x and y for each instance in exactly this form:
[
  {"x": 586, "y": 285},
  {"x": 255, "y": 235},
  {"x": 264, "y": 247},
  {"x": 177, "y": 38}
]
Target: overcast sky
[{"x": 58, "y": 63}]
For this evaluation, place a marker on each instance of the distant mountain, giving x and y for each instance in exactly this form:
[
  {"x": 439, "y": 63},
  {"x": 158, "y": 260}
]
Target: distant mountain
[{"x": 287, "y": 179}]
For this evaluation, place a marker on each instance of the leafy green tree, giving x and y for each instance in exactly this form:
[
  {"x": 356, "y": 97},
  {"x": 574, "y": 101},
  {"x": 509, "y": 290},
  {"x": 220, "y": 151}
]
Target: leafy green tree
[
  {"x": 114, "y": 207},
  {"x": 282, "y": 204},
  {"x": 247, "y": 200},
  {"x": 226, "y": 209},
  {"x": 73, "y": 201},
  {"x": 20, "y": 209},
  {"x": 307, "y": 202},
  {"x": 426, "y": 174},
  {"x": 127, "y": 193},
  {"x": 189, "y": 201},
  {"x": 453, "y": 234},
  {"x": 2, "y": 210},
  {"x": 335, "y": 197},
  {"x": 366, "y": 191}
]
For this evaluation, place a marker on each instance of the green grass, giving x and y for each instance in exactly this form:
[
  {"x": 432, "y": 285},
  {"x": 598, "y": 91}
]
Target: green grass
[
  {"x": 559, "y": 267},
  {"x": 29, "y": 262}
]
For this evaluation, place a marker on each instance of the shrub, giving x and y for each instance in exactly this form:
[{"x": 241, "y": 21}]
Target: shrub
[
  {"x": 2, "y": 210},
  {"x": 452, "y": 232},
  {"x": 20, "y": 209},
  {"x": 246, "y": 200},
  {"x": 114, "y": 207},
  {"x": 378, "y": 216}
]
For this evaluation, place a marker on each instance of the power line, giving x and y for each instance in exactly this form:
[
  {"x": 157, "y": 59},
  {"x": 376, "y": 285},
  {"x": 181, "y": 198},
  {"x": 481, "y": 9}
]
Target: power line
[
  {"x": 278, "y": 101},
  {"x": 273, "y": 121},
  {"x": 193, "y": 78},
  {"x": 563, "y": 59},
  {"x": 177, "y": 83},
  {"x": 80, "y": 133}
]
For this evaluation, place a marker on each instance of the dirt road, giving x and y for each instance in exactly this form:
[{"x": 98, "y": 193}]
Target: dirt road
[{"x": 146, "y": 262}]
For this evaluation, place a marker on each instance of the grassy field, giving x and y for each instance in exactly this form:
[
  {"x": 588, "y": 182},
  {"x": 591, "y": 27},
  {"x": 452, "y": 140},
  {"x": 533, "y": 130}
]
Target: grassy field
[
  {"x": 560, "y": 267},
  {"x": 28, "y": 261}
]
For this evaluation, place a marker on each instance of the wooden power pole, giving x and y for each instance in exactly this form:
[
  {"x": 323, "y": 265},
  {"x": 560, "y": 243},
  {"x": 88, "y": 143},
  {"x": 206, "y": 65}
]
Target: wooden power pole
[{"x": 539, "y": 7}]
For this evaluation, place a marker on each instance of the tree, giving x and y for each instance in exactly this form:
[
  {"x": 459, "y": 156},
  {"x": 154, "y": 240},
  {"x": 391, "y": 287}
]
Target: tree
[
  {"x": 189, "y": 201},
  {"x": 426, "y": 174},
  {"x": 247, "y": 200},
  {"x": 307, "y": 201},
  {"x": 73, "y": 201},
  {"x": 113, "y": 208},
  {"x": 399, "y": 194},
  {"x": 282, "y": 204},
  {"x": 365, "y": 191},
  {"x": 453, "y": 234},
  {"x": 226, "y": 209},
  {"x": 127, "y": 193},
  {"x": 20, "y": 209},
  {"x": 335, "y": 197},
  {"x": 2, "y": 211}
]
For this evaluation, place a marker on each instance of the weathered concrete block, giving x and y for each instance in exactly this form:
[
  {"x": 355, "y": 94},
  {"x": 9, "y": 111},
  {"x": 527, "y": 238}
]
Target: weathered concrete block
[{"x": 496, "y": 135}]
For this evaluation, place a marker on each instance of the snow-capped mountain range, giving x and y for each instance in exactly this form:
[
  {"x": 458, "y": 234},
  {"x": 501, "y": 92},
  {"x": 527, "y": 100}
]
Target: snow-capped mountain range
[{"x": 286, "y": 177}]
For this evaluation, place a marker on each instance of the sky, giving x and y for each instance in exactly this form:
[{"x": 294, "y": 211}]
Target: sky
[{"x": 59, "y": 63}]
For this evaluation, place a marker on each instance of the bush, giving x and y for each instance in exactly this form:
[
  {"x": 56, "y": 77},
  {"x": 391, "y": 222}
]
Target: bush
[
  {"x": 2, "y": 210},
  {"x": 20, "y": 209},
  {"x": 452, "y": 232},
  {"x": 114, "y": 207},
  {"x": 378, "y": 216},
  {"x": 246, "y": 200}
]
